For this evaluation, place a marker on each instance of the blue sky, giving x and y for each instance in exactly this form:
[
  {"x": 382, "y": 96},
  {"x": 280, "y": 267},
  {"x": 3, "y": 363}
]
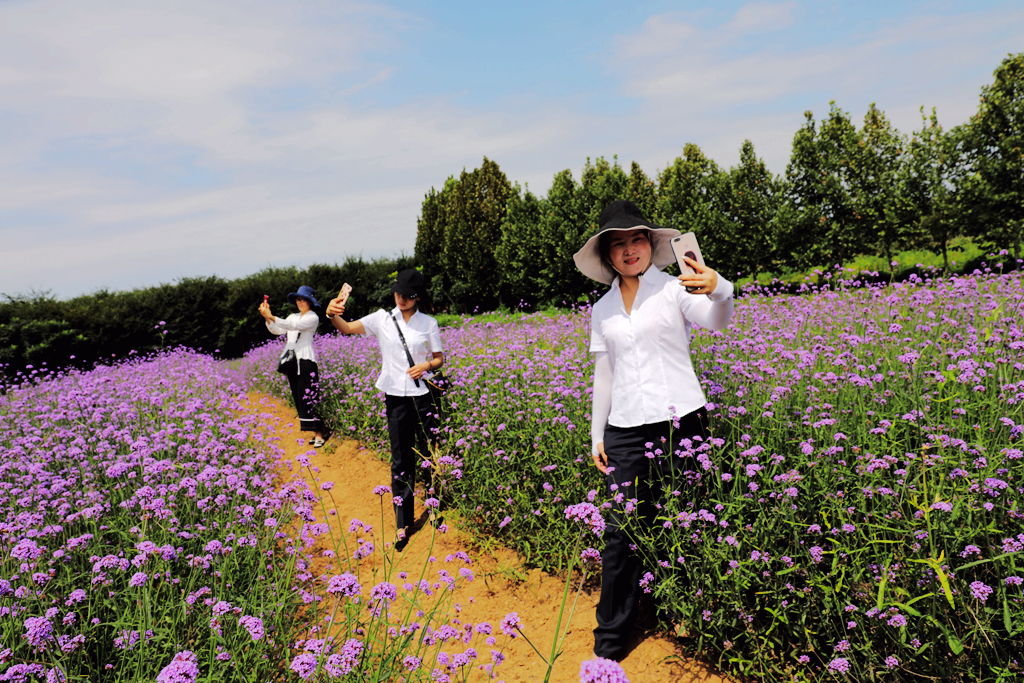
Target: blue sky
[{"x": 141, "y": 142}]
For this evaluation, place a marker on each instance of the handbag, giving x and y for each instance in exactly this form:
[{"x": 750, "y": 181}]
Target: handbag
[
  {"x": 287, "y": 363},
  {"x": 437, "y": 384}
]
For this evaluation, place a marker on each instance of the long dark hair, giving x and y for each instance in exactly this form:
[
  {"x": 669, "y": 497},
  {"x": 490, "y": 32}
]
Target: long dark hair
[
  {"x": 604, "y": 247},
  {"x": 424, "y": 304}
]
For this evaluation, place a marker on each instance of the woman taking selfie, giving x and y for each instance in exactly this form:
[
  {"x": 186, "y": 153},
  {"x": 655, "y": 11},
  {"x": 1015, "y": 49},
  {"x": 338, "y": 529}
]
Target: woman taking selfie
[
  {"x": 410, "y": 349},
  {"x": 302, "y": 373},
  {"x": 643, "y": 382}
]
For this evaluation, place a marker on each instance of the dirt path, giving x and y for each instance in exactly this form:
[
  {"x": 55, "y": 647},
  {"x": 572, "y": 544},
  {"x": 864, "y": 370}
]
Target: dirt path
[{"x": 501, "y": 585}]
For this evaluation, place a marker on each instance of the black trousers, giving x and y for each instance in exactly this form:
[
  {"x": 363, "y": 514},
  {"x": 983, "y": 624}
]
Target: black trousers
[
  {"x": 636, "y": 477},
  {"x": 305, "y": 388},
  {"x": 412, "y": 423}
]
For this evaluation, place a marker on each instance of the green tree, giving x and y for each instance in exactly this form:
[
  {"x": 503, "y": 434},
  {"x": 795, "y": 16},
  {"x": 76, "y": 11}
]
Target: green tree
[
  {"x": 570, "y": 220},
  {"x": 754, "y": 196},
  {"x": 693, "y": 194},
  {"x": 933, "y": 177},
  {"x": 564, "y": 223},
  {"x": 819, "y": 223},
  {"x": 430, "y": 227},
  {"x": 994, "y": 143},
  {"x": 522, "y": 250},
  {"x": 473, "y": 213},
  {"x": 877, "y": 171},
  {"x": 642, "y": 191}
]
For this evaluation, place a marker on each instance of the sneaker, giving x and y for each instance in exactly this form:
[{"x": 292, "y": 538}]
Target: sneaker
[{"x": 318, "y": 442}]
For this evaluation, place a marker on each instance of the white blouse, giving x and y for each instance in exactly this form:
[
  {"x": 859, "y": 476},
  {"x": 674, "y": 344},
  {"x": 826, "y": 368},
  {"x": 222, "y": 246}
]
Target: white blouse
[
  {"x": 423, "y": 337},
  {"x": 300, "y": 328},
  {"x": 643, "y": 373}
]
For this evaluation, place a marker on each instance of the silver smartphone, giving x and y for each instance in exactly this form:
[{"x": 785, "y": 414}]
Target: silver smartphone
[{"x": 686, "y": 245}]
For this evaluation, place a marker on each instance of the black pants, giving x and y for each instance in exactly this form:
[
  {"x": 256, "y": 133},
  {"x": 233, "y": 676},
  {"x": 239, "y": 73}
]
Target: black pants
[
  {"x": 412, "y": 423},
  {"x": 305, "y": 386},
  {"x": 637, "y": 477}
]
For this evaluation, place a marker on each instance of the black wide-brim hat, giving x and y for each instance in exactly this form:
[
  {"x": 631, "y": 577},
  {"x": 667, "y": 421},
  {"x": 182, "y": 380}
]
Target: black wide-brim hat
[
  {"x": 622, "y": 214},
  {"x": 410, "y": 284},
  {"x": 306, "y": 293}
]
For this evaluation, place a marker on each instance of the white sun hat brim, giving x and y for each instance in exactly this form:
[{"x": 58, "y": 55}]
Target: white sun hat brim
[{"x": 588, "y": 258}]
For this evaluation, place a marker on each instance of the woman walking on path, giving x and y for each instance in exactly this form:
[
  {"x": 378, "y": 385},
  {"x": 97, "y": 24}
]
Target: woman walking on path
[
  {"x": 302, "y": 377},
  {"x": 643, "y": 382},
  {"x": 410, "y": 349}
]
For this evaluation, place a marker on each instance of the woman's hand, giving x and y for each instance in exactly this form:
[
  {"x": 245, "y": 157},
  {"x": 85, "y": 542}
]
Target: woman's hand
[
  {"x": 336, "y": 307},
  {"x": 703, "y": 281},
  {"x": 601, "y": 459},
  {"x": 416, "y": 371},
  {"x": 265, "y": 312}
]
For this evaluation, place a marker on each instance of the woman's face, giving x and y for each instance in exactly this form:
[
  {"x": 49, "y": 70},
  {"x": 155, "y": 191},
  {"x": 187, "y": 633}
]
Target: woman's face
[
  {"x": 629, "y": 251},
  {"x": 303, "y": 304},
  {"x": 403, "y": 303}
]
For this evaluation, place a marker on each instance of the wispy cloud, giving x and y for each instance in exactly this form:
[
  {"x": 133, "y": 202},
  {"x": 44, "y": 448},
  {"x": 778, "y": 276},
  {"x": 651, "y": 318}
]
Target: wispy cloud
[
  {"x": 752, "y": 75},
  {"x": 145, "y": 141}
]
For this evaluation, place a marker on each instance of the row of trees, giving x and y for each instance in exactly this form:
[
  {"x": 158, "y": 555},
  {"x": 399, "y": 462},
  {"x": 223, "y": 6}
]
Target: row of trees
[
  {"x": 209, "y": 313},
  {"x": 846, "y": 191},
  {"x": 485, "y": 241}
]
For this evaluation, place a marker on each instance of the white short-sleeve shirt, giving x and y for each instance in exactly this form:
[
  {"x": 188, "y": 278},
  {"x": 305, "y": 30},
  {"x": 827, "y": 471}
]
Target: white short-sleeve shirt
[
  {"x": 652, "y": 376},
  {"x": 300, "y": 328},
  {"x": 423, "y": 337}
]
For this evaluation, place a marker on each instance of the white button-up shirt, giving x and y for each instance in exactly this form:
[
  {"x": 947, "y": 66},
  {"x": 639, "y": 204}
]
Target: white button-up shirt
[
  {"x": 649, "y": 348},
  {"x": 301, "y": 328},
  {"x": 423, "y": 337}
]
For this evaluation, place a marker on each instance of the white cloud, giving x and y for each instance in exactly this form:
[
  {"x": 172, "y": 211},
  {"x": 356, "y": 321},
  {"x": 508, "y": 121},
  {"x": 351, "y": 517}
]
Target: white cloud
[
  {"x": 145, "y": 141},
  {"x": 744, "y": 79}
]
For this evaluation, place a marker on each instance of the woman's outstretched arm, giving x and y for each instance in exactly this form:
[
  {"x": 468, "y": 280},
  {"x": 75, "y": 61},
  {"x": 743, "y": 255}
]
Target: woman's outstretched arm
[
  {"x": 713, "y": 311},
  {"x": 335, "y": 309}
]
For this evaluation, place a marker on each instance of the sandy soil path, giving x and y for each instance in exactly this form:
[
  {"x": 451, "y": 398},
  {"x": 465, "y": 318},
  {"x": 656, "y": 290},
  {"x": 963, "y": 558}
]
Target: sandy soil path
[{"x": 501, "y": 586}]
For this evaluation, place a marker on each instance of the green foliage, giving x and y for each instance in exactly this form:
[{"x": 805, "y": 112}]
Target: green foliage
[
  {"x": 822, "y": 224},
  {"x": 521, "y": 249},
  {"x": 933, "y": 176},
  {"x": 430, "y": 236},
  {"x": 878, "y": 169},
  {"x": 693, "y": 195},
  {"x": 994, "y": 142},
  {"x": 473, "y": 209},
  {"x": 754, "y": 196},
  {"x": 209, "y": 313}
]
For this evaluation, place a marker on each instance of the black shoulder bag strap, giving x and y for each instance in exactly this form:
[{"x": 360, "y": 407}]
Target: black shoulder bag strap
[{"x": 404, "y": 345}]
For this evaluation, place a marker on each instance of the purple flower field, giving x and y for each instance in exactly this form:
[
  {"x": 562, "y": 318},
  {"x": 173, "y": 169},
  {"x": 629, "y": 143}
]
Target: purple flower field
[
  {"x": 857, "y": 510},
  {"x": 148, "y": 534},
  {"x": 139, "y": 521}
]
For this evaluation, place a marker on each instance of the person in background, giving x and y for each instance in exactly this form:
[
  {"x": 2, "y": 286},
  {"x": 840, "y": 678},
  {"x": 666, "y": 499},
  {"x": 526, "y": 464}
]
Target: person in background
[
  {"x": 302, "y": 379},
  {"x": 644, "y": 383},
  {"x": 411, "y": 351}
]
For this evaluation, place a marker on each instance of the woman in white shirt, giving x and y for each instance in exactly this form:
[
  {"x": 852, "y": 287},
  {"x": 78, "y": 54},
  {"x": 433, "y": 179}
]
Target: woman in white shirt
[
  {"x": 411, "y": 351},
  {"x": 647, "y": 398},
  {"x": 302, "y": 379}
]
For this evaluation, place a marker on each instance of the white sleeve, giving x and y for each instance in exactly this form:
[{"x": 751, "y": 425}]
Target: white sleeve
[
  {"x": 434, "y": 335},
  {"x": 713, "y": 311},
  {"x": 602, "y": 399},
  {"x": 274, "y": 327},
  {"x": 372, "y": 322},
  {"x": 295, "y": 323}
]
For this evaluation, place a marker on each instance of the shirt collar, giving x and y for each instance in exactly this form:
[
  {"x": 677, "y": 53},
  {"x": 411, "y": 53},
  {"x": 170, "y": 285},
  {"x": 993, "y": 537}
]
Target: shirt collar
[
  {"x": 396, "y": 312},
  {"x": 649, "y": 275}
]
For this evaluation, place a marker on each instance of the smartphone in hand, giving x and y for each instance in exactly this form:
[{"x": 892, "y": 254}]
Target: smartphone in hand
[
  {"x": 686, "y": 245},
  {"x": 346, "y": 289}
]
